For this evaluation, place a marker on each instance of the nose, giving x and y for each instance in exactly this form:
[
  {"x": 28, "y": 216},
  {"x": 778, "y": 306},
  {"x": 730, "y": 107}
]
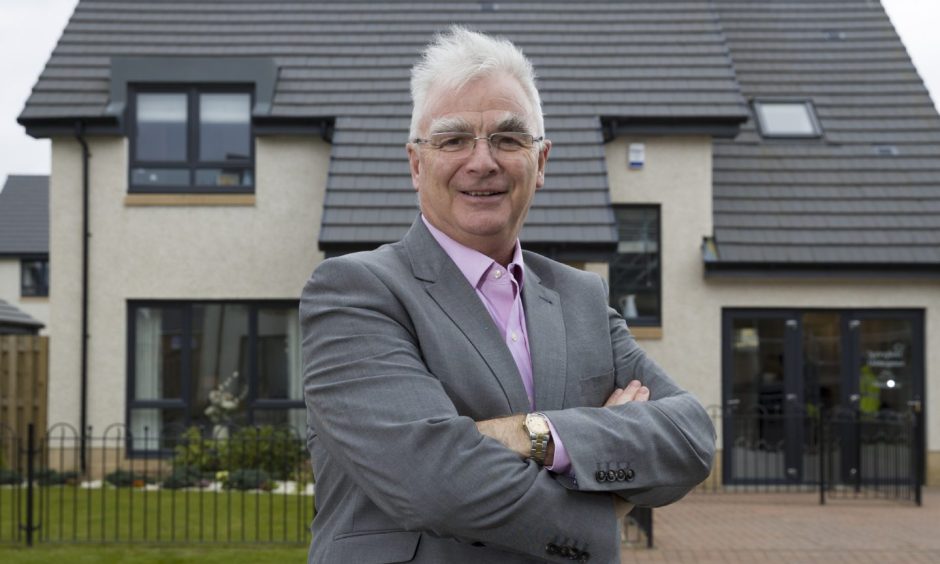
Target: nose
[{"x": 481, "y": 160}]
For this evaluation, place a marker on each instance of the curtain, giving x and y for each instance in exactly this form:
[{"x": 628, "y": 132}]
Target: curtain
[
  {"x": 295, "y": 384},
  {"x": 148, "y": 378}
]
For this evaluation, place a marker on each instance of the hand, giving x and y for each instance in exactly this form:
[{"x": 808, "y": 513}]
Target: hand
[
  {"x": 621, "y": 507},
  {"x": 635, "y": 391}
]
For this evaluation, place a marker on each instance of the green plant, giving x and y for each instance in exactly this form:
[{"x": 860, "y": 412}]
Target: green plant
[
  {"x": 272, "y": 449},
  {"x": 249, "y": 479},
  {"x": 197, "y": 452},
  {"x": 50, "y": 477},
  {"x": 8, "y": 477},
  {"x": 184, "y": 477},
  {"x": 126, "y": 478}
]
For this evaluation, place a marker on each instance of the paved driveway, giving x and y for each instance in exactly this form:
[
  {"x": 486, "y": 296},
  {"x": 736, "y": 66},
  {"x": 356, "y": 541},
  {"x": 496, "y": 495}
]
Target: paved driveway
[{"x": 793, "y": 528}]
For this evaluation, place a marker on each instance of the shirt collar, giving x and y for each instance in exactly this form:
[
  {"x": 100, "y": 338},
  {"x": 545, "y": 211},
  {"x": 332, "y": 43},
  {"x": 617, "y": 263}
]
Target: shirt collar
[{"x": 472, "y": 263}]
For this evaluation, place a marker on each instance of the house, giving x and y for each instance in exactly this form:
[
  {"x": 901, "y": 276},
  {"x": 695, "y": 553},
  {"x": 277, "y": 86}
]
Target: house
[
  {"x": 24, "y": 250},
  {"x": 758, "y": 181}
]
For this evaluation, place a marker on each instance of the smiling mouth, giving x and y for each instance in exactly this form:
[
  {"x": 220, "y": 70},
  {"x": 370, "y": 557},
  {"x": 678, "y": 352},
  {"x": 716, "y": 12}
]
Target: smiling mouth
[{"x": 477, "y": 194}]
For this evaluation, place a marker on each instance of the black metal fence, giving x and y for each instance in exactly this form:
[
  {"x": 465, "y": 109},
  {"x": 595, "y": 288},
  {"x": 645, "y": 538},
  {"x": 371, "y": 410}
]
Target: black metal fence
[
  {"x": 835, "y": 454},
  {"x": 236, "y": 485}
]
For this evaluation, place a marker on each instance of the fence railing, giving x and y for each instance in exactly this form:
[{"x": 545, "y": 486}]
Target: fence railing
[
  {"x": 247, "y": 485},
  {"x": 835, "y": 454}
]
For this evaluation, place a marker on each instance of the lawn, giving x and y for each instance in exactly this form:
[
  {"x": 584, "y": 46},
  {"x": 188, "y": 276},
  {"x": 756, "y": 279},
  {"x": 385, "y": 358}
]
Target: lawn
[
  {"x": 84, "y": 554},
  {"x": 69, "y": 514}
]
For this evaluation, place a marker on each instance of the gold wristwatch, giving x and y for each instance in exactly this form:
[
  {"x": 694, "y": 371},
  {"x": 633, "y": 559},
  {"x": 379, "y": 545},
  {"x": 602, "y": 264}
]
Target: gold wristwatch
[{"x": 536, "y": 425}]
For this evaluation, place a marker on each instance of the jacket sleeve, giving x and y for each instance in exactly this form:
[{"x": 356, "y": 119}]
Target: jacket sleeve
[
  {"x": 650, "y": 453},
  {"x": 388, "y": 424}
]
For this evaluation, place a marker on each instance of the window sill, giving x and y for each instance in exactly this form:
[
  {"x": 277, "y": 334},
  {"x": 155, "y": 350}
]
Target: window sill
[
  {"x": 27, "y": 298},
  {"x": 650, "y": 333},
  {"x": 189, "y": 200}
]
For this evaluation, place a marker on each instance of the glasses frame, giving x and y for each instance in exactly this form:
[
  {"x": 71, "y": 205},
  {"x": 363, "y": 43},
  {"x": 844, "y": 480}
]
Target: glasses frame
[{"x": 489, "y": 139}]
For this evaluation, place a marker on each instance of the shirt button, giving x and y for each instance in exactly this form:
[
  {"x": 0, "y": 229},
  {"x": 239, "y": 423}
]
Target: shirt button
[
  {"x": 515, "y": 337},
  {"x": 498, "y": 274}
]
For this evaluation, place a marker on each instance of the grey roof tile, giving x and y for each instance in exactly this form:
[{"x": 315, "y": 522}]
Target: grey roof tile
[
  {"x": 11, "y": 316},
  {"x": 24, "y": 215},
  {"x": 351, "y": 60},
  {"x": 830, "y": 199}
]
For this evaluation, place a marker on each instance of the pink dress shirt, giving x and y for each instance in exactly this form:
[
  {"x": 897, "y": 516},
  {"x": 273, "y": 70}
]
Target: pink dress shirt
[{"x": 500, "y": 289}]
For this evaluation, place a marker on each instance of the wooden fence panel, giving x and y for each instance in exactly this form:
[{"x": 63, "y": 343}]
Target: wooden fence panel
[{"x": 24, "y": 367}]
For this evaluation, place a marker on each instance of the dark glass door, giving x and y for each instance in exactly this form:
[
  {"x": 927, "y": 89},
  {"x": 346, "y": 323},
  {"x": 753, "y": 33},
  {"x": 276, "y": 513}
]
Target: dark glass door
[
  {"x": 763, "y": 399},
  {"x": 885, "y": 386}
]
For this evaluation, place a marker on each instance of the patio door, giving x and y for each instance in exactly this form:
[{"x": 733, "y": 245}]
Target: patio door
[
  {"x": 763, "y": 398},
  {"x": 783, "y": 369}
]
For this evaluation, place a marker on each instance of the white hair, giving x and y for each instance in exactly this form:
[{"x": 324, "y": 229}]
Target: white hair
[{"x": 458, "y": 56}]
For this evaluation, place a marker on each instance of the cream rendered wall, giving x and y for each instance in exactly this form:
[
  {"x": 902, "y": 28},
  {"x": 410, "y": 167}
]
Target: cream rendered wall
[
  {"x": 677, "y": 175},
  {"x": 35, "y": 307},
  {"x": 264, "y": 251}
]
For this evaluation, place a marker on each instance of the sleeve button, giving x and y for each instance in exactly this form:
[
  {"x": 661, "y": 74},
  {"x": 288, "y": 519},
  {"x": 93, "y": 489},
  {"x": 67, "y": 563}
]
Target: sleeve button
[
  {"x": 551, "y": 548},
  {"x": 621, "y": 475},
  {"x": 611, "y": 476},
  {"x": 630, "y": 474},
  {"x": 600, "y": 476}
]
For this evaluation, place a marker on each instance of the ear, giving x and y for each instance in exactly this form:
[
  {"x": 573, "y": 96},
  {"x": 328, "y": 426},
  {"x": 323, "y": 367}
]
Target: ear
[
  {"x": 414, "y": 163},
  {"x": 543, "y": 160}
]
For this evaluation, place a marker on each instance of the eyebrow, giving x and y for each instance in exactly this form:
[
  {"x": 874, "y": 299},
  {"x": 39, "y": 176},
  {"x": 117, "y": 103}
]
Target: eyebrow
[
  {"x": 447, "y": 124},
  {"x": 511, "y": 122}
]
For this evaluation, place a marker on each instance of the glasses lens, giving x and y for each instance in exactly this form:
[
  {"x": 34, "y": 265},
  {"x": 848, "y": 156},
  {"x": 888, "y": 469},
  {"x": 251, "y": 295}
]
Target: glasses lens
[
  {"x": 452, "y": 142},
  {"x": 511, "y": 141}
]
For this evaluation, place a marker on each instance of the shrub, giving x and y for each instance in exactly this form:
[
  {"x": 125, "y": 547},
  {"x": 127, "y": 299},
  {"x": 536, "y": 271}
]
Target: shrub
[
  {"x": 8, "y": 477},
  {"x": 272, "y": 449},
  {"x": 184, "y": 477},
  {"x": 126, "y": 478},
  {"x": 50, "y": 477},
  {"x": 249, "y": 479},
  {"x": 196, "y": 452}
]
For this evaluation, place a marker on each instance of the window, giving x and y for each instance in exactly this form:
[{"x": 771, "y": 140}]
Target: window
[
  {"x": 34, "y": 277},
  {"x": 191, "y": 140},
  {"x": 635, "y": 267},
  {"x": 786, "y": 119},
  {"x": 214, "y": 365}
]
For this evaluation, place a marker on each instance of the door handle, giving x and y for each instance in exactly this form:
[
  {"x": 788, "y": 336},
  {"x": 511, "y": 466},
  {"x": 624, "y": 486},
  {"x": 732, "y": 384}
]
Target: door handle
[
  {"x": 915, "y": 405},
  {"x": 854, "y": 398},
  {"x": 791, "y": 397}
]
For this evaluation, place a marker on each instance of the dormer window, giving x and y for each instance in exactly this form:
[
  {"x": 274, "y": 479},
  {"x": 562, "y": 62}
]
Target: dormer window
[
  {"x": 786, "y": 119},
  {"x": 191, "y": 140}
]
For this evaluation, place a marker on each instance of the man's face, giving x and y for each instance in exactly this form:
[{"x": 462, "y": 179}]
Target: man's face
[{"x": 480, "y": 199}]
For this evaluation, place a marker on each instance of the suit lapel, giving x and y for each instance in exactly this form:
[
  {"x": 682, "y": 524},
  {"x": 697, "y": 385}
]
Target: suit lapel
[
  {"x": 546, "y": 328},
  {"x": 448, "y": 287}
]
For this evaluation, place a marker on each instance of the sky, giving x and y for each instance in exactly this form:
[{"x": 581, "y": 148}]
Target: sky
[{"x": 29, "y": 30}]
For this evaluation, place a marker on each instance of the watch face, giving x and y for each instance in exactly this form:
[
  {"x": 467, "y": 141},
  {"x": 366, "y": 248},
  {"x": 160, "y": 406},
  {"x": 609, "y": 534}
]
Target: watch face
[{"x": 536, "y": 424}]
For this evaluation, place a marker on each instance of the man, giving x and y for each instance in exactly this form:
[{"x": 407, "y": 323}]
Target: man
[{"x": 468, "y": 401}]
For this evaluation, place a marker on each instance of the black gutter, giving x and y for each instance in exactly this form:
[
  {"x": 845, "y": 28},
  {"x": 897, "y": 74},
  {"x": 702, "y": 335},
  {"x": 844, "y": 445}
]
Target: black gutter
[{"x": 79, "y": 135}]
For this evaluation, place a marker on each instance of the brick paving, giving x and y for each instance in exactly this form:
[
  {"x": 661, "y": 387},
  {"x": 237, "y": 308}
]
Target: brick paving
[{"x": 792, "y": 528}]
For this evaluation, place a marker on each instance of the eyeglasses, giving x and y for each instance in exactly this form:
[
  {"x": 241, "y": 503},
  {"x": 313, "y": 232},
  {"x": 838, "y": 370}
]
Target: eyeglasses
[{"x": 460, "y": 144}]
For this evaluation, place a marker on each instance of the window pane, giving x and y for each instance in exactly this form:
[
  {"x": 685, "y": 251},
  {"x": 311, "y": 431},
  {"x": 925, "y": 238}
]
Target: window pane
[
  {"x": 219, "y": 364},
  {"x": 279, "y": 354},
  {"x": 161, "y": 127},
  {"x": 160, "y": 177},
  {"x": 158, "y": 350},
  {"x": 224, "y": 127},
  {"x": 34, "y": 278},
  {"x": 155, "y": 429},
  {"x": 223, "y": 177},
  {"x": 634, "y": 269},
  {"x": 786, "y": 119}
]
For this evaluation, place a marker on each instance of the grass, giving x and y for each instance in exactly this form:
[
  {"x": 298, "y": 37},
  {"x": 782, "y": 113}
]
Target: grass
[
  {"x": 83, "y": 554},
  {"x": 68, "y": 514}
]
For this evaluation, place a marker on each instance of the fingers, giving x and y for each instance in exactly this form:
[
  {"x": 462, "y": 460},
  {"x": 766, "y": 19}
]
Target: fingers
[{"x": 635, "y": 391}]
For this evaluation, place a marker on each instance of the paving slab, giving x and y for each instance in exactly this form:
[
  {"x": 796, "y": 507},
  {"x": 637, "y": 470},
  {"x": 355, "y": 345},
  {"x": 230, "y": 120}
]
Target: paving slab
[{"x": 707, "y": 528}]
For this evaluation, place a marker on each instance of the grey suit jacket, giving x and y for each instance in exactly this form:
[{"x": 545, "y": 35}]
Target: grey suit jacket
[{"x": 400, "y": 359}]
